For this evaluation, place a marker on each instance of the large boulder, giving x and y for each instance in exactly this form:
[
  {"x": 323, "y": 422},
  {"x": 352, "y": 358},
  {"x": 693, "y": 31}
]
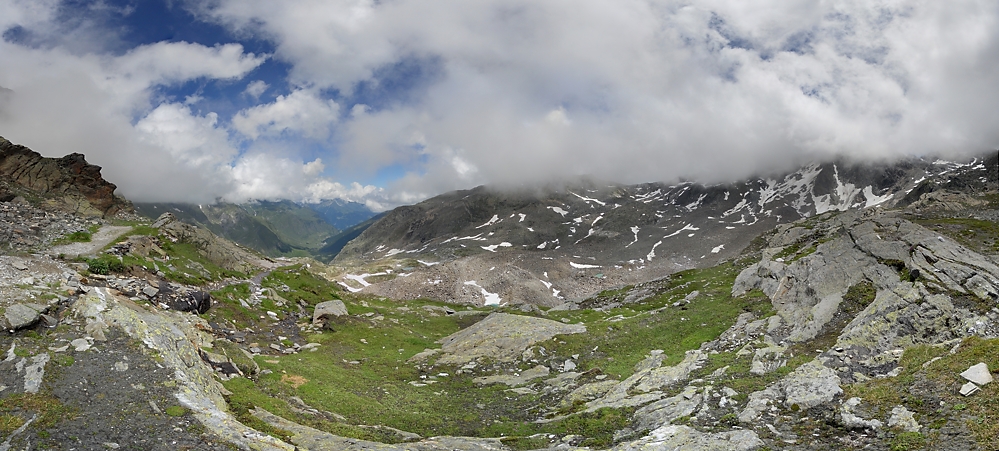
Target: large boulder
[
  {"x": 327, "y": 310},
  {"x": 19, "y": 316},
  {"x": 194, "y": 301}
]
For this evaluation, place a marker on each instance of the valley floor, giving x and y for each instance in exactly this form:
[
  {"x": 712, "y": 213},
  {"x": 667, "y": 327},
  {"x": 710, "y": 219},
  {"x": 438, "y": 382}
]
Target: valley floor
[{"x": 846, "y": 330}]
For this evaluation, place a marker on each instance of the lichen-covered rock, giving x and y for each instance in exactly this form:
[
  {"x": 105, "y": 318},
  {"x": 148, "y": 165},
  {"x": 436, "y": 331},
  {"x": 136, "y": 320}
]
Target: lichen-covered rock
[
  {"x": 810, "y": 385},
  {"x": 901, "y": 316},
  {"x": 175, "y": 339},
  {"x": 19, "y": 316},
  {"x": 315, "y": 440},
  {"x": 685, "y": 438},
  {"x": 664, "y": 411},
  {"x": 588, "y": 392},
  {"x": 851, "y": 420},
  {"x": 662, "y": 377},
  {"x": 807, "y": 292},
  {"x": 903, "y": 419},
  {"x": 767, "y": 360}
]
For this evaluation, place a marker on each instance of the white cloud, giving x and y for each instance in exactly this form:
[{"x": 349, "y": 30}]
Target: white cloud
[
  {"x": 27, "y": 13},
  {"x": 256, "y": 88},
  {"x": 301, "y": 111},
  {"x": 511, "y": 91},
  {"x": 639, "y": 90},
  {"x": 194, "y": 141},
  {"x": 106, "y": 107}
]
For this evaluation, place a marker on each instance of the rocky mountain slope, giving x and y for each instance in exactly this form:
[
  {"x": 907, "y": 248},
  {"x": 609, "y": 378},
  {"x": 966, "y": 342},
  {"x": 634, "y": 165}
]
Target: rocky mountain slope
[
  {"x": 68, "y": 183},
  {"x": 340, "y": 213},
  {"x": 563, "y": 243},
  {"x": 867, "y": 328}
]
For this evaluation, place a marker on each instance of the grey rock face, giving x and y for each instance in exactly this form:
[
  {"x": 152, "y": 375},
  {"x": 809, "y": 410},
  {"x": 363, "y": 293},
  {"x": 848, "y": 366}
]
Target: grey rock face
[
  {"x": 662, "y": 377},
  {"x": 807, "y": 292},
  {"x": 514, "y": 380},
  {"x": 662, "y": 412},
  {"x": 811, "y": 385},
  {"x": 19, "y": 316},
  {"x": 768, "y": 360},
  {"x": 328, "y": 309},
  {"x": 684, "y": 438},
  {"x": 314, "y": 439}
]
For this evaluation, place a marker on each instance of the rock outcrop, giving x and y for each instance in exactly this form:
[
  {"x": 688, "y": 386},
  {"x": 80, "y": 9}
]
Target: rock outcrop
[
  {"x": 69, "y": 183},
  {"x": 217, "y": 250}
]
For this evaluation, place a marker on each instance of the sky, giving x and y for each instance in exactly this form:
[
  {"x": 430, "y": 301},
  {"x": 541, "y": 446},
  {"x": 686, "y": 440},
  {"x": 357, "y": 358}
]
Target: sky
[{"x": 388, "y": 102}]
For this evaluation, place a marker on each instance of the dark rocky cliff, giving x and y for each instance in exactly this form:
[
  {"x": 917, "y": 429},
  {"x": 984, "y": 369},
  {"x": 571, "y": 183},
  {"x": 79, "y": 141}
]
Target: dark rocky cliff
[{"x": 69, "y": 183}]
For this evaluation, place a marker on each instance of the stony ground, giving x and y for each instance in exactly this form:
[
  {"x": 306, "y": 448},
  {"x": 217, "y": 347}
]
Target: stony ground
[
  {"x": 822, "y": 337},
  {"x": 104, "y": 236}
]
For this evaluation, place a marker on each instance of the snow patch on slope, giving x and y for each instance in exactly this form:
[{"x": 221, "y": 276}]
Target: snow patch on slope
[
  {"x": 490, "y": 298},
  {"x": 495, "y": 219}
]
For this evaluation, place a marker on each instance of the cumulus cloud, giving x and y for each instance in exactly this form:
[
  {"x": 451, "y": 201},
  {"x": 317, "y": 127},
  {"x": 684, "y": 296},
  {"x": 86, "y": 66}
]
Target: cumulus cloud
[
  {"x": 301, "y": 111},
  {"x": 101, "y": 106},
  {"x": 459, "y": 93},
  {"x": 256, "y": 88},
  {"x": 638, "y": 90}
]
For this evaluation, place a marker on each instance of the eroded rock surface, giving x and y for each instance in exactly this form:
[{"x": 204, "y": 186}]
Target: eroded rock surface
[{"x": 70, "y": 182}]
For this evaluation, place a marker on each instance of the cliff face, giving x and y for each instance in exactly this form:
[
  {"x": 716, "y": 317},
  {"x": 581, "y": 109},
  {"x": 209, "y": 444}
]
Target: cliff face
[{"x": 68, "y": 182}]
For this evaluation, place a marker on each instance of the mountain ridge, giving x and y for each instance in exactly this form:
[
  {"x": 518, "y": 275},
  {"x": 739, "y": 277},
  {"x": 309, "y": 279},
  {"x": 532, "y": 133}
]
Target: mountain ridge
[
  {"x": 562, "y": 236},
  {"x": 854, "y": 326}
]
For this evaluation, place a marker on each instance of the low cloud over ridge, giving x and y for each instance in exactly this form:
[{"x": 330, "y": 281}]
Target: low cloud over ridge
[{"x": 420, "y": 96}]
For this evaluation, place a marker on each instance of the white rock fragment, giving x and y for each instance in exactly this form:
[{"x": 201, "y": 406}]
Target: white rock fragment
[
  {"x": 851, "y": 420},
  {"x": 80, "y": 344},
  {"x": 903, "y": 419},
  {"x": 979, "y": 374},
  {"x": 968, "y": 389}
]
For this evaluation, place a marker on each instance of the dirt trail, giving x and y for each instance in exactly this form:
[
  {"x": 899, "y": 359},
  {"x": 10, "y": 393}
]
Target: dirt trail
[{"x": 100, "y": 239}]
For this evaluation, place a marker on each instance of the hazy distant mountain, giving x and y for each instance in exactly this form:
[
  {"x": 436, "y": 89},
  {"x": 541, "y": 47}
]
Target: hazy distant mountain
[
  {"x": 274, "y": 228},
  {"x": 340, "y": 213}
]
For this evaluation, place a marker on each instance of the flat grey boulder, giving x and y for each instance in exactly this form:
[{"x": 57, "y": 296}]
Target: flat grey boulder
[
  {"x": 328, "y": 309},
  {"x": 502, "y": 337},
  {"x": 810, "y": 385},
  {"x": 19, "y": 316},
  {"x": 685, "y": 438},
  {"x": 664, "y": 411},
  {"x": 313, "y": 439}
]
